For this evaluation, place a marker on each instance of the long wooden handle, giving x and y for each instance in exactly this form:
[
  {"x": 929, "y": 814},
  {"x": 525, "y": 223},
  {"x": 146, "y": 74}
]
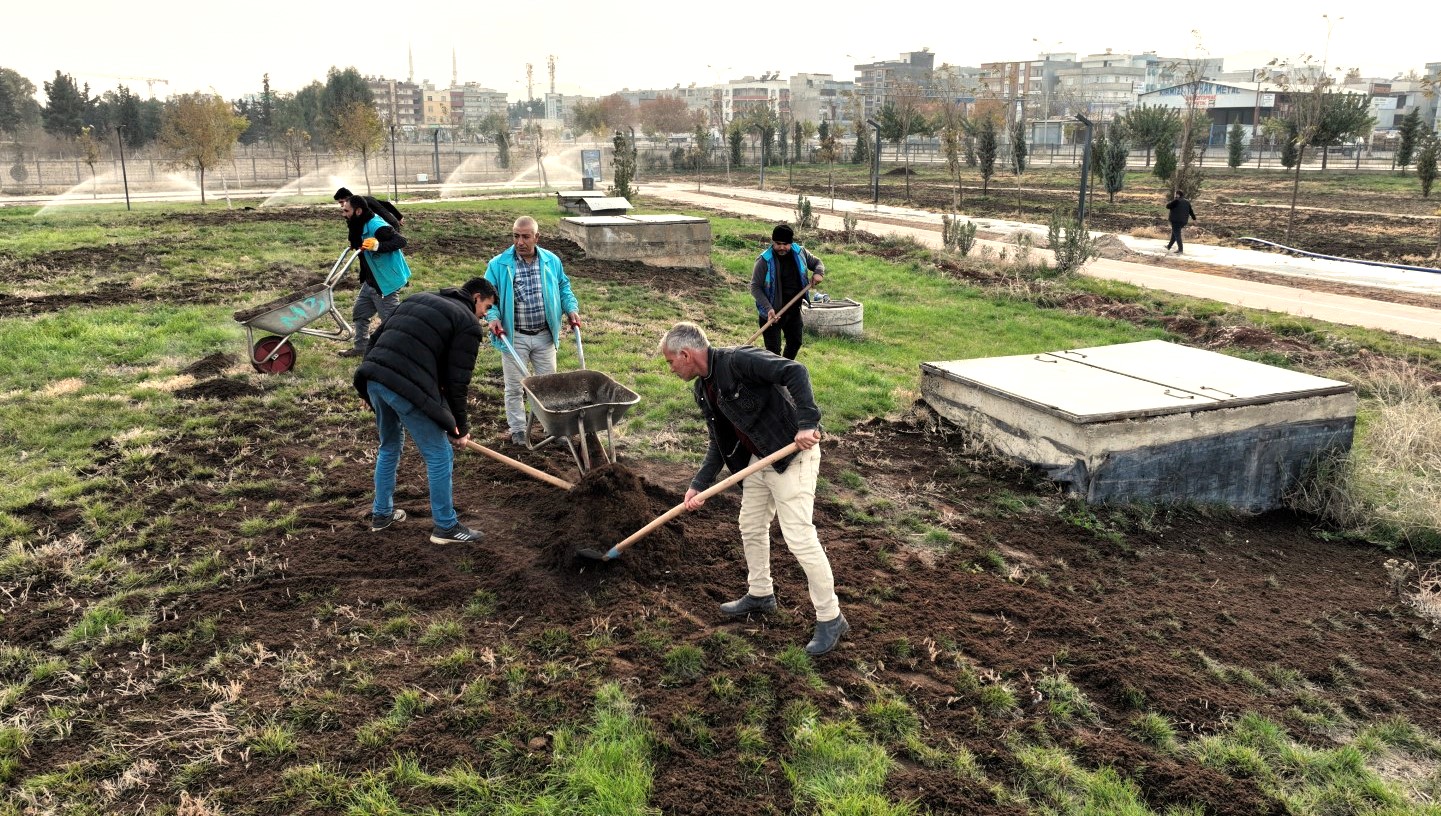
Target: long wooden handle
[
  {"x": 520, "y": 466},
  {"x": 792, "y": 302},
  {"x": 704, "y": 494}
]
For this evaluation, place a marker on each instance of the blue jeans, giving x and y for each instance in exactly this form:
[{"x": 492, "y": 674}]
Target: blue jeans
[{"x": 394, "y": 415}]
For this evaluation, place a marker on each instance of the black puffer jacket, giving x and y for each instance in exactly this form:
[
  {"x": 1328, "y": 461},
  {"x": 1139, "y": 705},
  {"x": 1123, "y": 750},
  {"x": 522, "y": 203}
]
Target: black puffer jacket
[{"x": 425, "y": 352}]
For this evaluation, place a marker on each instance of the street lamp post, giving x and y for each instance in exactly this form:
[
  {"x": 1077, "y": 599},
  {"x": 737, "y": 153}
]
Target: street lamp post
[
  {"x": 394, "y": 181},
  {"x": 761, "y": 137},
  {"x": 124, "y": 179},
  {"x": 1085, "y": 172},
  {"x": 876, "y": 163}
]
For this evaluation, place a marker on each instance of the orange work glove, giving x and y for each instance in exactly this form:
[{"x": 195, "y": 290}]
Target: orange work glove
[{"x": 369, "y": 244}]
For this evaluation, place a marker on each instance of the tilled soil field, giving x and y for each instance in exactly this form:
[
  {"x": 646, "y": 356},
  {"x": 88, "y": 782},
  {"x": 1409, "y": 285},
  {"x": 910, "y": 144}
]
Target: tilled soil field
[{"x": 957, "y": 574}]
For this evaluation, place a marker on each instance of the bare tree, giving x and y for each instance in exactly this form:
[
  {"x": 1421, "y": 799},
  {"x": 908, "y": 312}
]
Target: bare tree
[
  {"x": 90, "y": 150},
  {"x": 200, "y": 131},
  {"x": 953, "y": 126},
  {"x": 359, "y": 132}
]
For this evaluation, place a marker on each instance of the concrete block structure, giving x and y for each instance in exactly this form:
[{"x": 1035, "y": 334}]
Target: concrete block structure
[
  {"x": 655, "y": 240},
  {"x": 1150, "y": 421}
]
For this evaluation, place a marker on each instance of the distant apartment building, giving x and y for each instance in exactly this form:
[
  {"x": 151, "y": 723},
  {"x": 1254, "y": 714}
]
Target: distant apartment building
[
  {"x": 739, "y": 96},
  {"x": 435, "y": 106},
  {"x": 876, "y": 81},
  {"x": 1107, "y": 85},
  {"x": 820, "y": 98},
  {"x": 398, "y": 102}
]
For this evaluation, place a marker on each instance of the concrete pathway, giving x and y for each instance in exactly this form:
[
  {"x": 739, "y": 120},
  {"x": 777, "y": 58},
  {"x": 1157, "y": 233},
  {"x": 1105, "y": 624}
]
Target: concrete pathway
[{"x": 925, "y": 227}]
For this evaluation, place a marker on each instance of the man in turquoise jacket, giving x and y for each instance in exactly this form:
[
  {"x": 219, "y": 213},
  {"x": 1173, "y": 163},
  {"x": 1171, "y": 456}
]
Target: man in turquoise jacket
[
  {"x": 383, "y": 270},
  {"x": 534, "y": 297}
]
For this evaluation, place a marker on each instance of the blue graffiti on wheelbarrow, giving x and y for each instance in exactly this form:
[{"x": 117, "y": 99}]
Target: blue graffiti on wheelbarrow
[{"x": 305, "y": 311}]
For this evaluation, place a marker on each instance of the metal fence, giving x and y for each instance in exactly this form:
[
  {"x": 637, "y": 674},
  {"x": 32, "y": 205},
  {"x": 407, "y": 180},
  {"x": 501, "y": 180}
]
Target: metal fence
[{"x": 265, "y": 169}]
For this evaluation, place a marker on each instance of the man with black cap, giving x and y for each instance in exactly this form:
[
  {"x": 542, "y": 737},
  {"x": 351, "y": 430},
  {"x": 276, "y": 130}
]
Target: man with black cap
[
  {"x": 416, "y": 378},
  {"x": 780, "y": 273},
  {"x": 383, "y": 270}
]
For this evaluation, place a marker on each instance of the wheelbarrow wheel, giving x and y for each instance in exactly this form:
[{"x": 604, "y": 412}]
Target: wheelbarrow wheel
[{"x": 284, "y": 359}]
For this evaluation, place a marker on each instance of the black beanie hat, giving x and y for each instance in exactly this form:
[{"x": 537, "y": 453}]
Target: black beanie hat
[
  {"x": 342, "y": 194},
  {"x": 783, "y": 234}
]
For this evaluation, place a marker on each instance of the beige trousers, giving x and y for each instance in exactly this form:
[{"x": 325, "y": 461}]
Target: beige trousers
[{"x": 789, "y": 496}]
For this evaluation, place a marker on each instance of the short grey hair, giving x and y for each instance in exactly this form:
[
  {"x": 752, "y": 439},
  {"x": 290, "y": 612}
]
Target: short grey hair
[
  {"x": 526, "y": 221},
  {"x": 684, "y": 335}
]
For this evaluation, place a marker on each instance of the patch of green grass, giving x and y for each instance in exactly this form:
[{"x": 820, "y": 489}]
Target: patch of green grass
[
  {"x": 441, "y": 632},
  {"x": 683, "y": 664},
  {"x": 1153, "y": 729},
  {"x": 835, "y": 768},
  {"x": 274, "y": 739}
]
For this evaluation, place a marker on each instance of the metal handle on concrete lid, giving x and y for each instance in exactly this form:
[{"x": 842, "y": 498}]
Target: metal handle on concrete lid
[
  {"x": 1077, "y": 353},
  {"x": 1168, "y": 392},
  {"x": 1217, "y": 390},
  {"x": 1044, "y": 359}
]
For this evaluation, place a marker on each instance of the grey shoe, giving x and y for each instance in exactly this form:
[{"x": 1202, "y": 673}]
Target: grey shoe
[
  {"x": 519, "y": 439},
  {"x": 379, "y": 522},
  {"x": 828, "y": 634},
  {"x": 748, "y": 604},
  {"x": 459, "y": 534}
]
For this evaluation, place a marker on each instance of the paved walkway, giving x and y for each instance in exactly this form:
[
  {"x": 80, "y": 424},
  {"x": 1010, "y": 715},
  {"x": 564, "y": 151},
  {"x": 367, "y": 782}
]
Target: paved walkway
[{"x": 925, "y": 227}]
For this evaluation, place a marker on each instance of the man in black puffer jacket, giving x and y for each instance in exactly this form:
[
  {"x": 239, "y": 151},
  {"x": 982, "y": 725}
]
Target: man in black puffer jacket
[{"x": 416, "y": 377}]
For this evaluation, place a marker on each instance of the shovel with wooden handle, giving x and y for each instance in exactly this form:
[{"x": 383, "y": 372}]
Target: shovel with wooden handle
[
  {"x": 615, "y": 552},
  {"x": 521, "y": 466},
  {"x": 769, "y": 323}
]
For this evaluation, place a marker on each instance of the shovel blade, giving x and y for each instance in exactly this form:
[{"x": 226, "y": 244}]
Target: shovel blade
[{"x": 591, "y": 554}]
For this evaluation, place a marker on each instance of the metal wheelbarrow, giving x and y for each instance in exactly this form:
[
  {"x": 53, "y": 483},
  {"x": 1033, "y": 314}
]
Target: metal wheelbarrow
[
  {"x": 576, "y": 403},
  {"x": 291, "y": 315}
]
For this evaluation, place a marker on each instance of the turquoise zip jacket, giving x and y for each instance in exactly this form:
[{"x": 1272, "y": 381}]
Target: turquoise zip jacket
[
  {"x": 388, "y": 267},
  {"x": 554, "y": 291},
  {"x": 765, "y": 288}
]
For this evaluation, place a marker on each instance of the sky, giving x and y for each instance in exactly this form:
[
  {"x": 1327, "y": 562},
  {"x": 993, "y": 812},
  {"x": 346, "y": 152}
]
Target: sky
[{"x": 602, "y": 47}]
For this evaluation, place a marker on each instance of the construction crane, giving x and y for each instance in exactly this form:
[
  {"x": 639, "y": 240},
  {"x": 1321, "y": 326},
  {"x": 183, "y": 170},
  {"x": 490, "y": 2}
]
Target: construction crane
[
  {"x": 551, "y": 62},
  {"x": 149, "y": 81}
]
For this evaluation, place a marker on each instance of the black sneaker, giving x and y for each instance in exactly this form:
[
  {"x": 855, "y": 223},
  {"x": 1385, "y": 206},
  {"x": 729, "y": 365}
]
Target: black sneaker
[
  {"x": 352, "y": 352},
  {"x": 379, "y": 522},
  {"x": 459, "y": 534}
]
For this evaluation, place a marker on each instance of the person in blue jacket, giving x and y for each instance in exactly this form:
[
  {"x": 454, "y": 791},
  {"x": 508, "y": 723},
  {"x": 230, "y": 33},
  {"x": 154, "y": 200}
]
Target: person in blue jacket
[
  {"x": 534, "y": 297},
  {"x": 780, "y": 273},
  {"x": 383, "y": 270}
]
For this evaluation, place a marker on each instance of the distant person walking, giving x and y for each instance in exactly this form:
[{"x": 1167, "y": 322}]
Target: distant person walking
[
  {"x": 416, "y": 378},
  {"x": 780, "y": 273},
  {"x": 534, "y": 295},
  {"x": 1180, "y": 213},
  {"x": 383, "y": 270}
]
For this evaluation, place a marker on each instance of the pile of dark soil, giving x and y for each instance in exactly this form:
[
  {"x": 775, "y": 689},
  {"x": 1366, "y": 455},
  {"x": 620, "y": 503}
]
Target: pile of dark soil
[
  {"x": 210, "y": 365},
  {"x": 220, "y": 388}
]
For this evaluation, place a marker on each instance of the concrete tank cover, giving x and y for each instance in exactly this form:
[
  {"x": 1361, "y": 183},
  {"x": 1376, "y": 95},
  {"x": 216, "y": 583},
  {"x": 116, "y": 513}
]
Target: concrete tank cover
[{"x": 1150, "y": 421}]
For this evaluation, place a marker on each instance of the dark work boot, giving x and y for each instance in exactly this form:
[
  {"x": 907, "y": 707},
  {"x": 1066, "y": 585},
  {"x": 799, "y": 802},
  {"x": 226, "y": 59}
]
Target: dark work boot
[
  {"x": 828, "y": 634},
  {"x": 748, "y": 604}
]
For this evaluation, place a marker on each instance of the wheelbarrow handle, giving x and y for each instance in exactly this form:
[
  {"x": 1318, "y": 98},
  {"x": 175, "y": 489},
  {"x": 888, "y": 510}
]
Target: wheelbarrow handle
[
  {"x": 616, "y": 551},
  {"x": 761, "y": 330},
  {"x": 579, "y": 349},
  {"x": 505, "y": 341}
]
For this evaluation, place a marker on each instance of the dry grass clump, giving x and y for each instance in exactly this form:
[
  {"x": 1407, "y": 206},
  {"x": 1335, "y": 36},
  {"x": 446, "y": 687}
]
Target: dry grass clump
[{"x": 1389, "y": 487}]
